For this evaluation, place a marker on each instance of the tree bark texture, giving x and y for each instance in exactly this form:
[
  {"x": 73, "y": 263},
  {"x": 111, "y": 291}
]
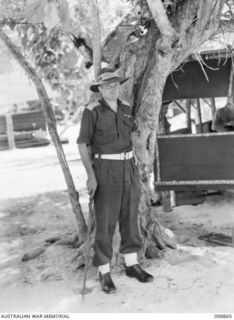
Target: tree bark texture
[{"x": 51, "y": 122}]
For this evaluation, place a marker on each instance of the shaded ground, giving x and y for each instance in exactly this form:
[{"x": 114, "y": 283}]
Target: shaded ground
[{"x": 197, "y": 277}]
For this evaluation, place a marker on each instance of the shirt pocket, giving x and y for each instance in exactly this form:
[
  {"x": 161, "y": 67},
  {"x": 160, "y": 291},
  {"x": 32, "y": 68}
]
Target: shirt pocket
[
  {"x": 128, "y": 121},
  {"x": 105, "y": 132}
]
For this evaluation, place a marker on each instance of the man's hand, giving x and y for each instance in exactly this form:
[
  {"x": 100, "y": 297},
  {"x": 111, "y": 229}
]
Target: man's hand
[
  {"x": 85, "y": 157},
  {"x": 91, "y": 185}
]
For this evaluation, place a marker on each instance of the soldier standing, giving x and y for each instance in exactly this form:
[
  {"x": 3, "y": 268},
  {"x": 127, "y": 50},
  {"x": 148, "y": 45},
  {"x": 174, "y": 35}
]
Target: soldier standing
[{"x": 113, "y": 178}]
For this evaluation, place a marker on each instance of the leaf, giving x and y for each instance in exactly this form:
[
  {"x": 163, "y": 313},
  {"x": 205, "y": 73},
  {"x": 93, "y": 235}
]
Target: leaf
[
  {"x": 69, "y": 60},
  {"x": 35, "y": 252}
]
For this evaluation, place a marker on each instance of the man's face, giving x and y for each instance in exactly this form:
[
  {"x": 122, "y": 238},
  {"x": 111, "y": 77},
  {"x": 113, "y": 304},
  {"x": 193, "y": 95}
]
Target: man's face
[{"x": 110, "y": 90}]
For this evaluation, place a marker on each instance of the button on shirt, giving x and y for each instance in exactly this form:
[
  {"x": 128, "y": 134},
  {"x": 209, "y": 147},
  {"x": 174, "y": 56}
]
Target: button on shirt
[{"x": 105, "y": 131}]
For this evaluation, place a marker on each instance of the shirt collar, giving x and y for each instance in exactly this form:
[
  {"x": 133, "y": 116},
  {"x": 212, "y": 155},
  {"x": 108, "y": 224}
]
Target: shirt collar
[{"x": 105, "y": 105}]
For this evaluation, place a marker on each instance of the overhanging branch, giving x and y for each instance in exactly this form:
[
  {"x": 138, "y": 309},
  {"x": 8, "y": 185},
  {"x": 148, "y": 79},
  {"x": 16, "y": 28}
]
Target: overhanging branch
[
  {"x": 226, "y": 26},
  {"x": 96, "y": 39},
  {"x": 168, "y": 33},
  {"x": 160, "y": 17}
]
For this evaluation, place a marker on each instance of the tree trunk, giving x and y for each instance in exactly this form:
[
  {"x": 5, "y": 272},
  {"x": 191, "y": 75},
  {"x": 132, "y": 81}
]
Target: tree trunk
[
  {"x": 148, "y": 64},
  {"x": 145, "y": 146},
  {"x": 148, "y": 72},
  {"x": 51, "y": 122}
]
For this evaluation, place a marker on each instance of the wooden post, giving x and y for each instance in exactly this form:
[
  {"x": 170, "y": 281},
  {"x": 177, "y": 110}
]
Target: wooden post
[
  {"x": 166, "y": 201},
  {"x": 173, "y": 198},
  {"x": 230, "y": 87},
  {"x": 10, "y": 131},
  {"x": 165, "y": 195},
  {"x": 180, "y": 106},
  {"x": 199, "y": 116},
  {"x": 213, "y": 107},
  {"x": 188, "y": 115}
]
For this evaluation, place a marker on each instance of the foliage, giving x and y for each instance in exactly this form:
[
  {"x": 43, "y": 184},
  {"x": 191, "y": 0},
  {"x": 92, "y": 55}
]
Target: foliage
[
  {"x": 53, "y": 54},
  {"x": 170, "y": 5},
  {"x": 12, "y": 6},
  {"x": 229, "y": 10},
  {"x": 57, "y": 61},
  {"x": 6, "y": 62}
]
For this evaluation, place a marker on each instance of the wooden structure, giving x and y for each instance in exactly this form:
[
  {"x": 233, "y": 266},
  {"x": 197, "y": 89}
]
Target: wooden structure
[
  {"x": 17, "y": 130},
  {"x": 190, "y": 81},
  {"x": 197, "y": 161}
]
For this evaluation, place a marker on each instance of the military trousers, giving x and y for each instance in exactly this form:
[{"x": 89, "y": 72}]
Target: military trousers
[{"x": 116, "y": 200}]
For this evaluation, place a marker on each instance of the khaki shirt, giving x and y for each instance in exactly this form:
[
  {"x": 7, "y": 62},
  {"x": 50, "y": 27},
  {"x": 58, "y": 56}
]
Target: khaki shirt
[{"x": 105, "y": 131}]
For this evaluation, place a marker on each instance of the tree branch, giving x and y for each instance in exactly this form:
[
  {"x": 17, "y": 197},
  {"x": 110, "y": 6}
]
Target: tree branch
[
  {"x": 96, "y": 39},
  {"x": 51, "y": 122},
  {"x": 226, "y": 26},
  {"x": 168, "y": 33},
  {"x": 160, "y": 17}
]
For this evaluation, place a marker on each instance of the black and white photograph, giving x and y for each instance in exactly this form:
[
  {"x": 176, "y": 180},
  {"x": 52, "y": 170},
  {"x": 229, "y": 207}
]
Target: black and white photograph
[{"x": 116, "y": 158}]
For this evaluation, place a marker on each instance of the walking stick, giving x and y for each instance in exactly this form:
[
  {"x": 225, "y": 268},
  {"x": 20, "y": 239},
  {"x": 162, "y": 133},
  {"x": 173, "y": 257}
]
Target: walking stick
[{"x": 88, "y": 245}]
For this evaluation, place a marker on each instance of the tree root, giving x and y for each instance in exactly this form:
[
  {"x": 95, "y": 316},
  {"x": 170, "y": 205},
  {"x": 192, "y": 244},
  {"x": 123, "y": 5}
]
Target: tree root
[
  {"x": 35, "y": 252},
  {"x": 73, "y": 242},
  {"x": 152, "y": 252},
  {"x": 156, "y": 240},
  {"x": 169, "y": 242},
  {"x": 80, "y": 256},
  {"x": 79, "y": 252},
  {"x": 53, "y": 239}
]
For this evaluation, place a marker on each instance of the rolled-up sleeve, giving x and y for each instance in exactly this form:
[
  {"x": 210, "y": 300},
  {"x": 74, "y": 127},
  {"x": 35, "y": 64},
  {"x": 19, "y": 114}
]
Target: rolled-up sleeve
[{"x": 86, "y": 128}]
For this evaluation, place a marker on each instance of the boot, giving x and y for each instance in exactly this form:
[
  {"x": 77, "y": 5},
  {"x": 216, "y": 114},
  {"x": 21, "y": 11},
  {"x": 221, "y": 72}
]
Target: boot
[
  {"x": 106, "y": 282},
  {"x": 137, "y": 272}
]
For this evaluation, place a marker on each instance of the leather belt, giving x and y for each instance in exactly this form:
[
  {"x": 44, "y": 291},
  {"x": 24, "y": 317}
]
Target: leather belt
[{"x": 115, "y": 156}]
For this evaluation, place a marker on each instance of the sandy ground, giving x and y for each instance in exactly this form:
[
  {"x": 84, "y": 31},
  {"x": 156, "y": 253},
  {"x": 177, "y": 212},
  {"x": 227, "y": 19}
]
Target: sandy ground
[{"x": 34, "y": 206}]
